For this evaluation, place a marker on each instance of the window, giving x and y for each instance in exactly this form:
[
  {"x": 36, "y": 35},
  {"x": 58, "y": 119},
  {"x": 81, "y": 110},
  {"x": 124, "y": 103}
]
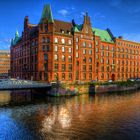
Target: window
[
  {"x": 63, "y": 67},
  {"x": 102, "y": 47},
  {"x": 77, "y": 63},
  {"x": 90, "y": 52},
  {"x": 63, "y": 58},
  {"x": 70, "y": 50},
  {"x": 43, "y": 40},
  {"x": 56, "y": 67},
  {"x": 107, "y": 68},
  {"x": 46, "y": 28},
  {"x": 84, "y": 51},
  {"x": 102, "y": 53},
  {"x": 70, "y": 42},
  {"x": 77, "y": 55},
  {"x": 90, "y": 60},
  {"x": 70, "y": 76},
  {"x": 62, "y": 31},
  {"x": 63, "y": 76},
  {"x": 45, "y": 48},
  {"x": 90, "y": 67},
  {"x": 46, "y": 66},
  {"x": 45, "y": 57},
  {"x": 63, "y": 41},
  {"x": 102, "y": 68},
  {"x": 77, "y": 39},
  {"x": 55, "y": 48},
  {"x": 107, "y": 47},
  {"x": 70, "y": 67},
  {"x": 77, "y": 47},
  {"x": 70, "y": 58},
  {"x": 107, "y": 54},
  {"x": 90, "y": 45},
  {"x": 84, "y": 76},
  {"x": 56, "y": 57},
  {"x": 84, "y": 67},
  {"x": 55, "y": 40},
  {"x": 107, "y": 61},
  {"x": 63, "y": 49},
  {"x": 96, "y": 43},
  {"x": 113, "y": 49},
  {"x": 102, "y": 60},
  {"x": 84, "y": 60},
  {"x": 102, "y": 76},
  {"x": 47, "y": 40},
  {"x": 96, "y": 56},
  {"x": 84, "y": 44},
  {"x": 96, "y": 49}
]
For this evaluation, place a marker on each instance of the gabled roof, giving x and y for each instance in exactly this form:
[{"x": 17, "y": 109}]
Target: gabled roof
[{"x": 47, "y": 14}]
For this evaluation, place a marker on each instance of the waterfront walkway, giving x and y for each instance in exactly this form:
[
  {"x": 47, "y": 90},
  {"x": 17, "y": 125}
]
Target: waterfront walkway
[{"x": 8, "y": 84}]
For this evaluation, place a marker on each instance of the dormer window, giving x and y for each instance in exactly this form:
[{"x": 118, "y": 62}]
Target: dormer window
[
  {"x": 62, "y": 31},
  {"x": 69, "y": 32}
]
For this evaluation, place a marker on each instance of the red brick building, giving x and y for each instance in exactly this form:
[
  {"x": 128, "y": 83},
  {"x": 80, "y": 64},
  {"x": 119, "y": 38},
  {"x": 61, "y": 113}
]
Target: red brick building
[{"x": 69, "y": 52}]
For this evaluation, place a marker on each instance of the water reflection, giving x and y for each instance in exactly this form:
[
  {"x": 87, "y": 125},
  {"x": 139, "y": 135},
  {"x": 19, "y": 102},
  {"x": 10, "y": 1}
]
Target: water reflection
[{"x": 86, "y": 117}]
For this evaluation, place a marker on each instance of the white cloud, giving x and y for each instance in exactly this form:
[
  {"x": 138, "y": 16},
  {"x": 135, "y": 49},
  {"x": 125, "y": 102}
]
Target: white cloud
[{"x": 63, "y": 12}]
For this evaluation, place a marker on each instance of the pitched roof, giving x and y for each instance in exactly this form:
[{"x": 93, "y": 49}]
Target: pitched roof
[
  {"x": 61, "y": 25},
  {"x": 103, "y": 34}
]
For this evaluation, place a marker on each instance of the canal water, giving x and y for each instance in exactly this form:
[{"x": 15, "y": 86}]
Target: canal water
[{"x": 26, "y": 115}]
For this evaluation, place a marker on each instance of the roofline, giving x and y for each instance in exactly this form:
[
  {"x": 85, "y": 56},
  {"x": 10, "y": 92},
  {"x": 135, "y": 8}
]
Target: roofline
[{"x": 128, "y": 41}]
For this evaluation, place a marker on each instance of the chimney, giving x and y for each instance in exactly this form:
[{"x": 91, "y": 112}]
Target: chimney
[{"x": 120, "y": 37}]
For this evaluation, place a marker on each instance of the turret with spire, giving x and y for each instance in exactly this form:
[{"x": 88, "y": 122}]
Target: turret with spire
[
  {"x": 16, "y": 39},
  {"x": 46, "y": 22},
  {"x": 47, "y": 14}
]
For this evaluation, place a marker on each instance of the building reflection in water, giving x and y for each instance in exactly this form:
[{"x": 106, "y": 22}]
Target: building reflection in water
[{"x": 86, "y": 117}]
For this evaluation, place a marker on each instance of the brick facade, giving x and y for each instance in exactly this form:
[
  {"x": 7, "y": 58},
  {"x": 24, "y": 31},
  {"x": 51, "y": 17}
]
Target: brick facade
[
  {"x": 4, "y": 64},
  {"x": 57, "y": 50}
]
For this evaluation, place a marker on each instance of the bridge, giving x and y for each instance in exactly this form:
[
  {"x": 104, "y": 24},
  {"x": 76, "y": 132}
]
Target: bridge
[{"x": 13, "y": 84}]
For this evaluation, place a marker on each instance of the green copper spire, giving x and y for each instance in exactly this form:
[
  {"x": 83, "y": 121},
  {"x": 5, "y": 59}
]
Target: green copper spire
[
  {"x": 16, "y": 34},
  {"x": 47, "y": 14}
]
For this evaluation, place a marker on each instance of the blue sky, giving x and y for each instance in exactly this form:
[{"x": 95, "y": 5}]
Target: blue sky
[{"x": 121, "y": 16}]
